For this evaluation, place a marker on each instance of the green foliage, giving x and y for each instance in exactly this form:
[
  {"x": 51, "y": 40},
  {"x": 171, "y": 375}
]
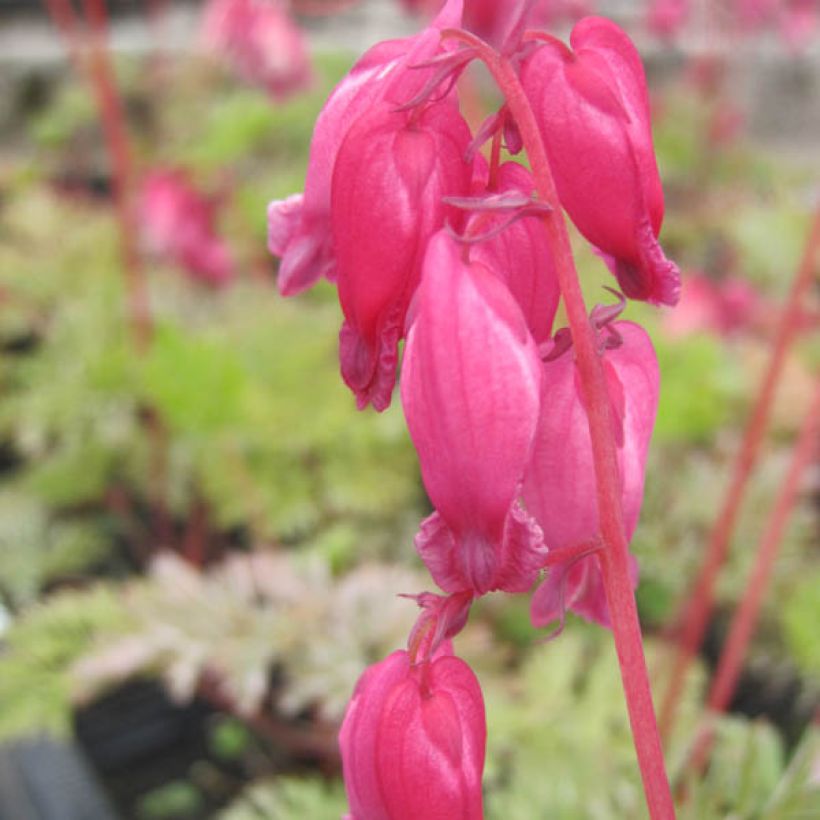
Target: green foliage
[
  {"x": 243, "y": 619},
  {"x": 179, "y": 798},
  {"x": 699, "y": 388},
  {"x": 289, "y": 798},
  {"x": 229, "y": 739},
  {"x": 35, "y": 548},
  {"x": 39, "y": 652},
  {"x": 801, "y": 615}
]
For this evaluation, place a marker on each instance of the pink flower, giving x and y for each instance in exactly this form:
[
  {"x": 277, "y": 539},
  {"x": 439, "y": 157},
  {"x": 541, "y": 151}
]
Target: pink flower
[
  {"x": 559, "y": 485},
  {"x": 593, "y": 109},
  {"x": 261, "y": 42},
  {"x": 470, "y": 389},
  {"x": 722, "y": 307},
  {"x": 521, "y": 255},
  {"x": 178, "y": 223},
  {"x": 413, "y": 741},
  {"x": 391, "y": 174},
  {"x": 666, "y": 18},
  {"x": 299, "y": 226}
]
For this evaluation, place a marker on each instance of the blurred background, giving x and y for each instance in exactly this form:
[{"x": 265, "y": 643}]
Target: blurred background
[{"x": 201, "y": 540}]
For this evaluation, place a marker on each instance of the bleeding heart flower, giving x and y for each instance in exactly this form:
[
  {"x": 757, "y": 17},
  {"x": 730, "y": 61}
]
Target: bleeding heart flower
[
  {"x": 391, "y": 174},
  {"x": 178, "y": 222},
  {"x": 262, "y": 43},
  {"x": 470, "y": 389},
  {"x": 413, "y": 741},
  {"x": 559, "y": 485},
  {"x": 521, "y": 255},
  {"x": 299, "y": 226},
  {"x": 593, "y": 111}
]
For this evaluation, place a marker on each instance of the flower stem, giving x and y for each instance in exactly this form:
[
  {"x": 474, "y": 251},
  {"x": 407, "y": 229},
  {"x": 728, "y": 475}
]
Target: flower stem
[
  {"x": 614, "y": 557},
  {"x": 746, "y": 615},
  {"x": 697, "y": 608},
  {"x": 112, "y": 115}
]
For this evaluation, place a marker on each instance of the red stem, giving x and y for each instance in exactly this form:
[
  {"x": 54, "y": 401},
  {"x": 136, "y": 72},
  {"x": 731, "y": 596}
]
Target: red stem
[
  {"x": 745, "y": 617},
  {"x": 63, "y": 16},
  {"x": 113, "y": 121},
  {"x": 614, "y": 557},
  {"x": 697, "y": 609}
]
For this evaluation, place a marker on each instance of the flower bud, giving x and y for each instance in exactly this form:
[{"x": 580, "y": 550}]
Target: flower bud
[{"x": 413, "y": 741}]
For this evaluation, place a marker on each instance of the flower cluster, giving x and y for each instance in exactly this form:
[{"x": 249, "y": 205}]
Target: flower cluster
[{"x": 431, "y": 243}]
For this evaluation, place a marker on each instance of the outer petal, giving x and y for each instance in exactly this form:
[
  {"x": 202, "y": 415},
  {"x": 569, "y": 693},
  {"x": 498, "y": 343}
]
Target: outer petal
[
  {"x": 579, "y": 587},
  {"x": 357, "y": 737},
  {"x": 521, "y": 254},
  {"x": 388, "y": 185},
  {"x": 470, "y": 389},
  {"x": 431, "y": 745},
  {"x": 593, "y": 110}
]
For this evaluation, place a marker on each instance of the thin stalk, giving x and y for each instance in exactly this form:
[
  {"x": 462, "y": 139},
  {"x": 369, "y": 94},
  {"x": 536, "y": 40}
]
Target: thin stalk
[
  {"x": 698, "y": 606},
  {"x": 113, "y": 121},
  {"x": 745, "y": 617},
  {"x": 63, "y": 16},
  {"x": 613, "y": 557}
]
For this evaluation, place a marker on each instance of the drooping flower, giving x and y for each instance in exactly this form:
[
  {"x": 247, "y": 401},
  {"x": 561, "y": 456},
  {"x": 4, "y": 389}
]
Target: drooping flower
[
  {"x": 592, "y": 107},
  {"x": 177, "y": 222},
  {"x": 299, "y": 226},
  {"x": 259, "y": 39},
  {"x": 559, "y": 485},
  {"x": 470, "y": 390},
  {"x": 521, "y": 255},
  {"x": 392, "y": 173},
  {"x": 413, "y": 741}
]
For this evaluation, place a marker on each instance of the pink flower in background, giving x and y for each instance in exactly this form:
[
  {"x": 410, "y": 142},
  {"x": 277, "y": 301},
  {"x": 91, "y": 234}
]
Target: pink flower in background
[
  {"x": 299, "y": 227},
  {"x": 391, "y": 174},
  {"x": 470, "y": 390},
  {"x": 559, "y": 485},
  {"x": 178, "y": 222},
  {"x": 258, "y": 38},
  {"x": 799, "y": 22},
  {"x": 593, "y": 109},
  {"x": 413, "y": 741},
  {"x": 723, "y": 307},
  {"x": 666, "y": 18}
]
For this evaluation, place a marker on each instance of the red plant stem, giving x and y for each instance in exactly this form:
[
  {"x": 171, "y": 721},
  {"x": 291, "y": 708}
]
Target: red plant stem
[
  {"x": 63, "y": 16},
  {"x": 116, "y": 138},
  {"x": 745, "y": 617},
  {"x": 614, "y": 556},
  {"x": 697, "y": 609}
]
